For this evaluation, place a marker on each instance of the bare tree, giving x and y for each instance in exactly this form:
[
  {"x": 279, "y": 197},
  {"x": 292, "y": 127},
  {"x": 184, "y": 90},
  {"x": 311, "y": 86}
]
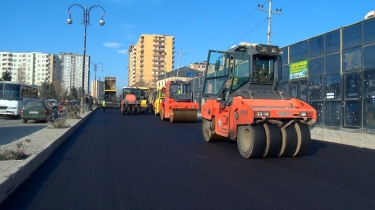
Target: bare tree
[{"x": 21, "y": 75}]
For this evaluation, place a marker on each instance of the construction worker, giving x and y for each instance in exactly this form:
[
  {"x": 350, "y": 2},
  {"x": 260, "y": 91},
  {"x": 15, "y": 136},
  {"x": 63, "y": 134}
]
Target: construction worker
[{"x": 103, "y": 105}]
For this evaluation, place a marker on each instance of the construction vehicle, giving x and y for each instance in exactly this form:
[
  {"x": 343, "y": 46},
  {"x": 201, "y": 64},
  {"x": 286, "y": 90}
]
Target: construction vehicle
[
  {"x": 158, "y": 97},
  {"x": 178, "y": 103},
  {"x": 134, "y": 100},
  {"x": 242, "y": 102},
  {"x": 110, "y": 92}
]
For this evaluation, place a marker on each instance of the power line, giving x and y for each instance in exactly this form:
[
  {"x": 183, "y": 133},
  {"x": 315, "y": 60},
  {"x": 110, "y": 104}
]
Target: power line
[{"x": 227, "y": 29}]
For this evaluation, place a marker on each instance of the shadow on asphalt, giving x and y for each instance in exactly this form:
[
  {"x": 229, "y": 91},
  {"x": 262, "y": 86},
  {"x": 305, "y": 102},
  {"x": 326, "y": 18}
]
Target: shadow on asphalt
[{"x": 10, "y": 134}]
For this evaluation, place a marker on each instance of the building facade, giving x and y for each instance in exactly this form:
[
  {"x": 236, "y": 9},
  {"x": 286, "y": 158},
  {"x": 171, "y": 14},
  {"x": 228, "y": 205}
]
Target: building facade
[
  {"x": 71, "y": 66},
  {"x": 184, "y": 74},
  {"x": 150, "y": 57},
  {"x": 32, "y": 68},
  {"x": 97, "y": 89},
  {"x": 335, "y": 73},
  {"x": 201, "y": 66}
]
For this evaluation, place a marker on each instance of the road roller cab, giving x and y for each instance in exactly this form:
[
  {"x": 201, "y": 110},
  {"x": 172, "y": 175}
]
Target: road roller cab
[
  {"x": 243, "y": 103},
  {"x": 178, "y": 103}
]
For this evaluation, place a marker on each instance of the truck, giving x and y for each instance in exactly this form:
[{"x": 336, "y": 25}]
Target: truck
[
  {"x": 110, "y": 92},
  {"x": 177, "y": 104},
  {"x": 242, "y": 102}
]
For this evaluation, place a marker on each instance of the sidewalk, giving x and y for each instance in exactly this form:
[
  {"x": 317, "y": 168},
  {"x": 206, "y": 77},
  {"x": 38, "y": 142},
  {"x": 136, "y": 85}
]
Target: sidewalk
[
  {"x": 44, "y": 142},
  {"x": 41, "y": 145}
]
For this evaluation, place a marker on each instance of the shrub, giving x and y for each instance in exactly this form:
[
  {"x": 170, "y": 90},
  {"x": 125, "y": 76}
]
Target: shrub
[
  {"x": 59, "y": 123},
  {"x": 15, "y": 151}
]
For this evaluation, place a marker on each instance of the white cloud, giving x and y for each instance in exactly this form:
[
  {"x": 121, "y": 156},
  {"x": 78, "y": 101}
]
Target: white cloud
[
  {"x": 112, "y": 44},
  {"x": 122, "y": 51}
]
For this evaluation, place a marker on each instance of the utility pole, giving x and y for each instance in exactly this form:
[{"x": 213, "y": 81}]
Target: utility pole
[
  {"x": 179, "y": 59},
  {"x": 278, "y": 12}
]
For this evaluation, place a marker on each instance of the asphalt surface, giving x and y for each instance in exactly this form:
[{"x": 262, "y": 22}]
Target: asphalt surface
[{"x": 116, "y": 161}]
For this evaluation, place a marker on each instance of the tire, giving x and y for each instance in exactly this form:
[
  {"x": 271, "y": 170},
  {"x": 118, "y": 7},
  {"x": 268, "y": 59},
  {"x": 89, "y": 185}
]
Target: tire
[
  {"x": 289, "y": 141},
  {"x": 24, "y": 121},
  {"x": 303, "y": 139},
  {"x": 123, "y": 110},
  {"x": 162, "y": 118},
  {"x": 208, "y": 128},
  {"x": 138, "y": 111},
  {"x": 273, "y": 140},
  {"x": 133, "y": 109},
  {"x": 251, "y": 141}
]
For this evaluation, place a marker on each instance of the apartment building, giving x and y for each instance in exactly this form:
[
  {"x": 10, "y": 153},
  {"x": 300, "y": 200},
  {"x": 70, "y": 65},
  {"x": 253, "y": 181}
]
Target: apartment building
[
  {"x": 150, "y": 57},
  {"x": 97, "y": 89},
  {"x": 71, "y": 71},
  {"x": 32, "y": 68}
]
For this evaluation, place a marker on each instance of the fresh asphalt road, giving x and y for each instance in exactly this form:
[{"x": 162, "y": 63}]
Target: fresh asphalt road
[{"x": 116, "y": 161}]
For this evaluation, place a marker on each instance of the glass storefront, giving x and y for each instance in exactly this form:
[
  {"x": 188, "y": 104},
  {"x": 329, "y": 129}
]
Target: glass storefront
[{"x": 339, "y": 80}]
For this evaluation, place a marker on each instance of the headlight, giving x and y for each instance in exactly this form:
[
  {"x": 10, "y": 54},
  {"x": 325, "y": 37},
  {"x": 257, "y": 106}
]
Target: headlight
[{"x": 262, "y": 114}]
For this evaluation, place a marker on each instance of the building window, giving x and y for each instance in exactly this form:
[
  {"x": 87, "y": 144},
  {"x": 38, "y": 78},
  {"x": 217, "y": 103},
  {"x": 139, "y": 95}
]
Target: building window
[
  {"x": 369, "y": 56},
  {"x": 352, "y": 36},
  {"x": 316, "y": 46},
  {"x": 298, "y": 51},
  {"x": 332, "y": 42},
  {"x": 332, "y": 63},
  {"x": 352, "y": 59},
  {"x": 316, "y": 66},
  {"x": 369, "y": 31}
]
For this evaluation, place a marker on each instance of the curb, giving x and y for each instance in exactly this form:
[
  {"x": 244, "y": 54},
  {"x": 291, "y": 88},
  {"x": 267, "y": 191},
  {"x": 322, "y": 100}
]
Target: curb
[{"x": 29, "y": 165}]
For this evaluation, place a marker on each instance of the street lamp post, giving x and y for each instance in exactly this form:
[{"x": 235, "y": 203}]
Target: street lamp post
[
  {"x": 95, "y": 68},
  {"x": 85, "y": 22}
]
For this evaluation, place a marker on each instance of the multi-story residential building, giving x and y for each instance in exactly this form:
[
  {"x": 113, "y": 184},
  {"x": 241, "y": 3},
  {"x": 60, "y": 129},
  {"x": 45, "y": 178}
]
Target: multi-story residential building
[
  {"x": 32, "y": 68},
  {"x": 71, "y": 71},
  {"x": 97, "y": 89},
  {"x": 201, "y": 66},
  {"x": 150, "y": 57}
]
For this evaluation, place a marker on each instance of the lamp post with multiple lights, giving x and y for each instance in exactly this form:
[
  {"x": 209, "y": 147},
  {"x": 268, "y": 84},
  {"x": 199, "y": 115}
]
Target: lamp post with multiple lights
[{"x": 85, "y": 22}]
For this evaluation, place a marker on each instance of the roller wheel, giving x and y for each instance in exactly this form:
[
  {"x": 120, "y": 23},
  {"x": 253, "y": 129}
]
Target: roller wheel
[
  {"x": 171, "y": 119},
  {"x": 304, "y": 139},
  {"x": 133, "y": 109},
  {"x": 251, "y": 141},
  {"x": 138, "y": 110},
  {"x": 273, "y": 140},
  {"x": 162, "y": 118},
  {"x": 289, "y": 141},
  {"x": 123, "y": 110},
  {"x": 128, "y": 110},
  {"x": 208, "y": 127},
  {"x": 156, "y": 113}
]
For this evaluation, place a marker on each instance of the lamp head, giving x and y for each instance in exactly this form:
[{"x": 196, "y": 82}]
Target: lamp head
[
  {"x": 69, "y": 21},
  {"x": 101, "y": 22}
]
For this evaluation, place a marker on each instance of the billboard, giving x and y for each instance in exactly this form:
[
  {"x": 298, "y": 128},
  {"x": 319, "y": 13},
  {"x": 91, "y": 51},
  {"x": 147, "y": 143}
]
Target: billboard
[{"x": 299, "y": 69}]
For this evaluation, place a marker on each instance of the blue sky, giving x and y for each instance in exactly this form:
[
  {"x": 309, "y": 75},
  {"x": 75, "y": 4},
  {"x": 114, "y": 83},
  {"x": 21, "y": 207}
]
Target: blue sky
[{"x": 198, "y": 25}]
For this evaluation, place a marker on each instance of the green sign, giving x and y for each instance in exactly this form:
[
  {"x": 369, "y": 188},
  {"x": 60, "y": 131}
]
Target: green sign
[{"x": 298, "y": 69}]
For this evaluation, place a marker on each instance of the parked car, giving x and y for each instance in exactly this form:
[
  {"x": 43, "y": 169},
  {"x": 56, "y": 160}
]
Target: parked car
[
  {"x": 38, "y": 110},
  {"x": 53, "y": 101},
  {"x": 62, "y": 106}
]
